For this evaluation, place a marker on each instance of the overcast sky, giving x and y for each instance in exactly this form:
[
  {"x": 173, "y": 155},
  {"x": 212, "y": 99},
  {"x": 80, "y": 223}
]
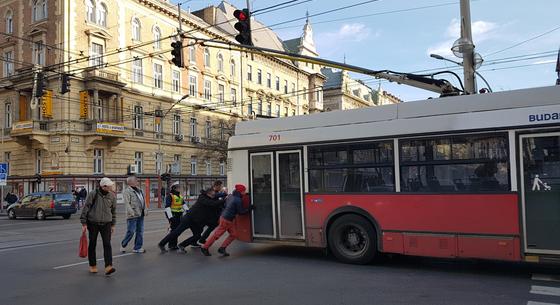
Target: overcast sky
[{"x": 399, "y": 35}]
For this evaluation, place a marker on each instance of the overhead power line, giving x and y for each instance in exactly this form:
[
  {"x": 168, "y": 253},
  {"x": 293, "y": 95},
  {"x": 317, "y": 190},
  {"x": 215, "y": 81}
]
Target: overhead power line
[{"x": 523, "y": 42}]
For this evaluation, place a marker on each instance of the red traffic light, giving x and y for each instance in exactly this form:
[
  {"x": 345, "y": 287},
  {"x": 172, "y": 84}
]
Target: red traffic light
[{"x": 240, "y": 15}]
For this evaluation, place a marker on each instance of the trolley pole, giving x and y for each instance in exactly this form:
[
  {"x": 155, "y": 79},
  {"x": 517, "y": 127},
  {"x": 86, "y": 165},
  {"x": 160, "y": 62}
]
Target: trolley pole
[{"x": 468, "y": 55}]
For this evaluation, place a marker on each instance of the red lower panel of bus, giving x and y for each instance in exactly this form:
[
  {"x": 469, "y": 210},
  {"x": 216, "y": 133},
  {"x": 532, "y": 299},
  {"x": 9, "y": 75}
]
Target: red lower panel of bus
[{"x": 447, "y": 225}]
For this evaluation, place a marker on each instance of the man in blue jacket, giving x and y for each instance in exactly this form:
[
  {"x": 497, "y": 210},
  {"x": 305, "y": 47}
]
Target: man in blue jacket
[{"x": 233, "y": 206}]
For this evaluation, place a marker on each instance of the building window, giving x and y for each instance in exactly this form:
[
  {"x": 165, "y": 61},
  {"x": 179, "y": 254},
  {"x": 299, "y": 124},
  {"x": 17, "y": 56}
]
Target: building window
[
  {"x": 8, "y": 63},
  {"x": 249, "y": 73},
  {"x": 222, "y": 168},
  {"x": 221, "y": 93},
  {"x": 286, "y": 111},
  {"x": 90, "y": 11},
  {"x": 193, "y": 124},
  {"x": 96, "y": 55},
  {"x": 101, "y": 12},
  {"x": 177, "y": 164},
  {"x": 319, "y": 93},
  {"x": 192, "y": 54},
  {"x": 220, "y": 62},
  {"x": 232, "y": 68},
  {"x": 98, "y": 161},
  {"x": 269, "y": 109},
  {"x": 234, "y": 96},
  {"x": 39, "y": 10},
  {"x": 157, "y": 38},
  {"x": 260, "y": 107},
  {"x": 9, "y": 22},
  {"x": 207, "y": 90},
  {"x": 193, "y": 165},
  {"x": 139, "y": 161},
  {"x": 38, "y": 53},
  {"x": 138, "y": 122},
  {"x": 38, "y": 161},
  {"x": 208, "y": 167},
  {"x": 206, "y": 57},
  {"x": 278, "y": 110},
  {"x": 158, "y": 124},
  {"x": 176, "y": 124},
  {"x": 268, "y": 80},
  {"x": 222, "y": 131},
  {"x": 137, "y": 73},
  {"x": 305, "y": 93},
  {"x": 136, "y": 29},
  {"x": 293, "y": 89},
  {"x": 176, "y": 80},
  {"x": 277, "y": 83},
  {"x": 158, "y": 76},
  {"x": 285, "y": 87},
  {"x": 193, "y": 85},
  {"x": 8, "y": 116},
  {"x": 98, "y": 110},
  {"x": 208, "y": 129},
  {"x": 250, "y": 108},
  {"x": 159, "y": 163},
  {"x": 259, "y": 76}
]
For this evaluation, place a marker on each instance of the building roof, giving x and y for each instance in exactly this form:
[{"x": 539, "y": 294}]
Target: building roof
[{"x": 334, "y": 78}]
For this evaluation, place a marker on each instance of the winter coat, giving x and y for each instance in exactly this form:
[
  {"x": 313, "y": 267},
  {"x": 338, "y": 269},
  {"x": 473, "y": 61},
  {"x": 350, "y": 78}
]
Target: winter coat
[
  {"x": 103, "y": 211},
  {"x": 206, "y": 210},
  {"x": 134, "y": 206}
]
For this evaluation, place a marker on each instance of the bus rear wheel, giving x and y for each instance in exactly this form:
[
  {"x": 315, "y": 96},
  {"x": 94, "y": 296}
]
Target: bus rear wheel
[{"x": 352, "y": 239}]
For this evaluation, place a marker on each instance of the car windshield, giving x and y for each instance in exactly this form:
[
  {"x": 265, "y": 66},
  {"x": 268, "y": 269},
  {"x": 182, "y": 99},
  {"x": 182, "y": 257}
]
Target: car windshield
[{"x": 64, "y": 197}]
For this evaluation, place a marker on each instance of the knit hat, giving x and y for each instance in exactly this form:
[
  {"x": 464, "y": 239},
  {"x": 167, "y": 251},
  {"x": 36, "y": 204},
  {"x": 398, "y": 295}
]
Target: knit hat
[
  {"x": 106, "y": 182},
  {"x": 240, "y": 188}
]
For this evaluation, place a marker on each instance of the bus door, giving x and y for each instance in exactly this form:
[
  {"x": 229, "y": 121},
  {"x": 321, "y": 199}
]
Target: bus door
[
  {"x": 540, "y": 192},
  {"x": 277, "y": 194}
]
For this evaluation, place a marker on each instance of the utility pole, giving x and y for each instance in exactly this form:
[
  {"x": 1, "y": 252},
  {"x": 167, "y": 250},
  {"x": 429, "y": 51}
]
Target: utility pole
[{"x": 468, "y": 59}]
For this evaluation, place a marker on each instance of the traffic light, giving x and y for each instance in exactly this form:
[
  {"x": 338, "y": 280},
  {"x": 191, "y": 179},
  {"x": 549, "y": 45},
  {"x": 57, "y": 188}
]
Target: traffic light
[
  {"x": 37, "y": 178},
  {"x": 243, "y": 26},
  {"x": 40, "y": 84},
  {"x": 65, "y": 87},
  {"x": 166, "y": 177},
  {"x": 177, "y": 53}
]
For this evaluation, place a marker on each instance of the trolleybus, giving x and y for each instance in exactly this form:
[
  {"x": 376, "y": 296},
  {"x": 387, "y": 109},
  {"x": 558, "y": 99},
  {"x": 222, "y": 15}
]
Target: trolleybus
[{"x": 457, "y": 177}]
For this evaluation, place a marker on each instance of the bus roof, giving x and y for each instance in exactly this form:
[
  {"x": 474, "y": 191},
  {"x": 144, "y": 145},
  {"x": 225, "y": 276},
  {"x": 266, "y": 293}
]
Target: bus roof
[{"x": 449, "y": 113}]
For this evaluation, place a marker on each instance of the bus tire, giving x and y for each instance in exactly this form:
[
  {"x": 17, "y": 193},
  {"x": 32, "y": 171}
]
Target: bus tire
[{"x": 352, "y": 239}]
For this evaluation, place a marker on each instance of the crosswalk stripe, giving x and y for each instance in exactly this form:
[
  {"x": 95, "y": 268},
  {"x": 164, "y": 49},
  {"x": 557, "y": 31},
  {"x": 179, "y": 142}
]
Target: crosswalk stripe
[
  {"x": 540, "y": 303},
  {"x": 545, "y": 277},
  {"x": 545, "y": 290}
]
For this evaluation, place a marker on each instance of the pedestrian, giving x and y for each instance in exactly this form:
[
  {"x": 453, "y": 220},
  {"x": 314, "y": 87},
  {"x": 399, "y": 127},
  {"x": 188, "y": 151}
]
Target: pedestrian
[
  {"x": 195, "y": 219},
  {"x": 82, "y": 196},
  {"x": 218, "y": 188},
  {"x": 233, "y": 206},
  {"x": 135, "y": 204},
  {"x": 11, "y": 198},
  {"x": 99, "y": 217},
  {"x": 174, "y": 210}
]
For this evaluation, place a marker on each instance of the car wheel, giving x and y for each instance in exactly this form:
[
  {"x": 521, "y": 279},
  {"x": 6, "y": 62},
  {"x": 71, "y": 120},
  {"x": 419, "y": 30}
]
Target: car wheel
[
  {"x": 352, "y": 239},
  {"x": 66, "y": 216},
  {"x": 11, "y": 214},
  {"x": 40, "y": 214}
]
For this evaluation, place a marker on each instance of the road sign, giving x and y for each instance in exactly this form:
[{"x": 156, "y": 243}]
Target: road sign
[{"x": 3, "y": 173}]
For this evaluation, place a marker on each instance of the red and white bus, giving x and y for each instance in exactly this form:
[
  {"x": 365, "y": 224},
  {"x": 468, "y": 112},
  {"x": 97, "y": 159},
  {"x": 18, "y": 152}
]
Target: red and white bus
[{"x": 457, "y": 177}]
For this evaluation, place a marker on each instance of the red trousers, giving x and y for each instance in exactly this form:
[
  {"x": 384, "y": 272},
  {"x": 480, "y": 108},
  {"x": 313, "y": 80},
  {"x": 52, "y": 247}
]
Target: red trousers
[{"x": 225, "y": 225}]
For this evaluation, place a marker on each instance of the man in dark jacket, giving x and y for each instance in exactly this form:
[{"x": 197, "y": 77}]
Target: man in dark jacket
[
  {"x": 195, "y": 219},
  {"x": 233, "y": 206},
  {"x": 11, "y": 198},
  {"x": 212, "y": 223},
  {"x": 99, "y": 216}
]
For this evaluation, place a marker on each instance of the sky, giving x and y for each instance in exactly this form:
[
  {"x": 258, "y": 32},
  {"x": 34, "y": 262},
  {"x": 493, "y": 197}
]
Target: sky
[{"x": 399, "y": 35}]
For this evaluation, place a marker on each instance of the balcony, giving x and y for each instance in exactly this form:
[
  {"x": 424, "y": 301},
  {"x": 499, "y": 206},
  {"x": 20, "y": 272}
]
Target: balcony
[
  {"x": 102, "y": 79},
  {"x": 27, "y": 132}
]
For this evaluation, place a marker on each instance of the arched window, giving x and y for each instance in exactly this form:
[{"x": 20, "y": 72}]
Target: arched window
[
  {"x": 157, "y": 38},
  {"x": 136, "y": 27},
  {"x": 207, "y": 57},
  {"x": 101, "y": 12},
  {"x": 220, "y": 62},
  {"x": 90, "y": 11},
  {"x": 39, "y": 10},
  {"x": 9, "y": 22},
  {"x": 232, "y": 68}
]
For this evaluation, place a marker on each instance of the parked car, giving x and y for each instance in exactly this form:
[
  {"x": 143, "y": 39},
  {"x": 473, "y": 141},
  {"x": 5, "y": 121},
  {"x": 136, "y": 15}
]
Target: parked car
[{"x": 44, "y": 204}]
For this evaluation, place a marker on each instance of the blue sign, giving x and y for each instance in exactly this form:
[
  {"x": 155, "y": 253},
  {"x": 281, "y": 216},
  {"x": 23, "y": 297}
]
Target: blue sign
[{"x": 3, "y": 173}]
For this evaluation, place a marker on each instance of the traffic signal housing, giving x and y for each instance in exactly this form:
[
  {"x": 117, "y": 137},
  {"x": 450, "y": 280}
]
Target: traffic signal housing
[
  {"x": 243, "y": 26},
  {"x": 165, "y": 177},
  {"x": 177, "y": 53},
  {"x": 40, "y": 84},
  {"x": 65, "y": 86},
  {"x": 38, "y": 178}
]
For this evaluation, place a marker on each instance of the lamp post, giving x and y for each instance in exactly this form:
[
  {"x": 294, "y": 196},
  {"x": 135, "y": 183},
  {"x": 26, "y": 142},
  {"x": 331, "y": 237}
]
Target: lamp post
[
  {"x": 464, "y": 48},
  {"x": 436, "y": 56}
]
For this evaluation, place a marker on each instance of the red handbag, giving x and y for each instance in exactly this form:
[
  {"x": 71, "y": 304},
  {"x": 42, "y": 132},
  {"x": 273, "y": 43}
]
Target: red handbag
[{"x": 83, "y": 252}]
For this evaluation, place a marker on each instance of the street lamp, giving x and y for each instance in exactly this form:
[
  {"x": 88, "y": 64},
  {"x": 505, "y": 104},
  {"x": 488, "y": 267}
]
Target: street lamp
[{"x": 478, "y": 63}]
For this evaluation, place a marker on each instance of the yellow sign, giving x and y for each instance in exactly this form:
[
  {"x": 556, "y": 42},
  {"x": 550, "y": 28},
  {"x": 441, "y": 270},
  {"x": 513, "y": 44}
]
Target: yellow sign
[
  {"x": 47, "y": 104},
  {"x": 110, "y": 128},
  {"x": 84, "y": 104}
]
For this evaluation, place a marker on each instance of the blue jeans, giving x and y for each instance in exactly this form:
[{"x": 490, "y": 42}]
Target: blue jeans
[{"x": 134, "y": 225}]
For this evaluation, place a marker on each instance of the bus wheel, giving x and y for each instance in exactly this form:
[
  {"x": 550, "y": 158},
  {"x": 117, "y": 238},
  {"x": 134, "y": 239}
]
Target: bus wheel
[{"x": 352, "y": 239}]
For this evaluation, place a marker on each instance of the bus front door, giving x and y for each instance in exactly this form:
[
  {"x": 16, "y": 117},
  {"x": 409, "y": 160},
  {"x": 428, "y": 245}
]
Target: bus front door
[
  {"x": 540, "y": 187},
  {"x": 277, "y": 194}
]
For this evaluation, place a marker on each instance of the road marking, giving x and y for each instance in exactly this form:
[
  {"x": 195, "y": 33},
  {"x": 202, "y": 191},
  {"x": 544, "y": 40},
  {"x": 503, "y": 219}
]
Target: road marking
[
  {"x": 545, "y": 290},
  {"x": 81, "y": 263},
  {"x": 36, "y": 245},
  {"x": 545, "y": 277},
  {"x": 540, "y": 303}
]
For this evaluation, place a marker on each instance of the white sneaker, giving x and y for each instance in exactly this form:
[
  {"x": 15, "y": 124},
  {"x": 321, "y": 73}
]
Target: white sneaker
[
  {"x": 123, "y": 249},
  {"x": 141, "y": 250}
]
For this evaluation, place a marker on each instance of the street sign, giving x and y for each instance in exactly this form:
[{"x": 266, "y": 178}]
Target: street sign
[{"x": 3, "y": 173}]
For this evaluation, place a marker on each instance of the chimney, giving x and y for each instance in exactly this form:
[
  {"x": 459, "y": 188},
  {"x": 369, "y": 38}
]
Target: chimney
[{"x": 207, "y": 14}]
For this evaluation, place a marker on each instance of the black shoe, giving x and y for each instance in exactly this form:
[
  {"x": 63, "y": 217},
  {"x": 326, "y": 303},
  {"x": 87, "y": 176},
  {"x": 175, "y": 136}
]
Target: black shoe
[
  {"x": 205, "y": 252},
  {"x": 173, "y": 248},
  {"x": 202, "y": 241},
  {"x": 195, "y": 245},
  {"x": 162, "y": 248},
  {"x": 223, "y": 252},
  {"x": 182, "y": 250}
]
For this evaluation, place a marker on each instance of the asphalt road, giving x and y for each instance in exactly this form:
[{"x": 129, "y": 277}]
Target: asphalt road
[{"x": 39, "y": 265}]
